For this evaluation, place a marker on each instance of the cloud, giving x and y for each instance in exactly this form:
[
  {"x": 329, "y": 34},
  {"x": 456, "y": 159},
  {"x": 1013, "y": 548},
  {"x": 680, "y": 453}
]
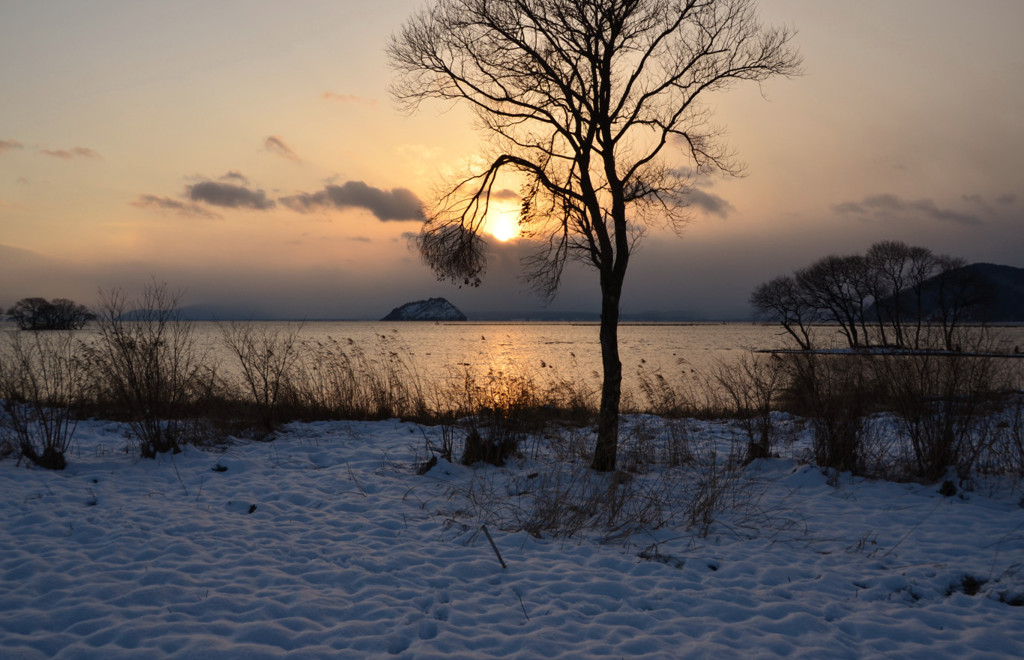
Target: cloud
[
  {"x": 348, "y": 99},
  {"x": 235, "y": 176},
  {"x": 173, "y": 205},
  {"x": 69, "y": 154},
  {"x": 694, "y": 193},
  {"x": 709, "y": 202},
  {"x": 888, "y": 207},
  {"x": 229, "y": 195},
  {"x": 505, "y": 193},
  {"x": 9, "y": 145},
  {"x": 396, "y": 204},
  {"x": 275, "y": 144}
]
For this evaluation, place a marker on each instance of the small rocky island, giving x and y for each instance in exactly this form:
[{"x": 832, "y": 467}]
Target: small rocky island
[{"x": 434, "y": 309}]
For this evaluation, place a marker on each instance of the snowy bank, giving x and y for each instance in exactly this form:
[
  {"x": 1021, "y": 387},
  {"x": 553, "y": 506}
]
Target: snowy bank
[{"x": 326, "y": 544}]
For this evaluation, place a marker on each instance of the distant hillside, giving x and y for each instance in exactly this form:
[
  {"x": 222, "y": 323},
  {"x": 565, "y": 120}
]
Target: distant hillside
[
  {"x": 433, "y": 309},
  {"x": 1002, "y": 288},
  {"x": 996, "y": 292}
]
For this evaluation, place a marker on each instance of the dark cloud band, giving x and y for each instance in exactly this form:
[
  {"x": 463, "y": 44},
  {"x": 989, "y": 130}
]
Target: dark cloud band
[
  {"x": 887, "y": 206},
  {"x": 229, "y": 195},
  {"x": 395, "y": 204}
]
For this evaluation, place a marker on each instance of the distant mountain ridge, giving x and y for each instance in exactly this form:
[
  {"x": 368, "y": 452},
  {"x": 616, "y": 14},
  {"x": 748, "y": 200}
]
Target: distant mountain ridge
[
  {"x": 992, "y": 293},
  {"x": 1002, "y": 292},
  {"x": 432, "y": 309}
]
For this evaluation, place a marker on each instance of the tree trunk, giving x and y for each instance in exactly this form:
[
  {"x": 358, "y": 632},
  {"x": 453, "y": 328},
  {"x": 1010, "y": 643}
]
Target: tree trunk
[{"x": 611, "y": 390}]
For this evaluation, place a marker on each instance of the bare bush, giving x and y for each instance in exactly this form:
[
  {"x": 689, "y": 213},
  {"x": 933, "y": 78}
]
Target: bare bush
[
  {"x": 497, "y": 408},
  {"x": 752, "y": 386},
  {"x": 147, "y": 361},
  {"x": 942, "y": 402},
  {"x": 716, "y": 486},
  {"x": 835, "y": 391},
  {"x": 40, "y": 384},
  {"x": 268, "y": 360},
  {"x": 1009, "y": 446}
]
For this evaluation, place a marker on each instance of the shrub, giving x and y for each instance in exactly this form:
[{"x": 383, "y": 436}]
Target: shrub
[
  {"x": 752, "y": 385},
  {"x": 147, "y": 362},
  {"x": 941, "y": 403},
  {"x": 835, "y": 391},
  {"x": 40, "y": 383},
  {"x": 503, "y": 405},
  {"x": 268, "y": 360}
]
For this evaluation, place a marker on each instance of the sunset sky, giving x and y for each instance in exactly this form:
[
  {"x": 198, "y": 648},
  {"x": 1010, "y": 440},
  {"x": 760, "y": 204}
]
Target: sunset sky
[{"x": 247, "y": 152}]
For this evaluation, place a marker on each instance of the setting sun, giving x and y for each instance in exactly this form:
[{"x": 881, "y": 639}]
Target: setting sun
[{"x": 504, "y": 226}]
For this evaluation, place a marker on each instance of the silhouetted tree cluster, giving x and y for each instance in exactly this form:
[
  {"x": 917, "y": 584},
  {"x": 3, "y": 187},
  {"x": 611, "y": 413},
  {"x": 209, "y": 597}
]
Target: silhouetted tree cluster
[
  {"x": 56, "y": 314},
  {"x": 893, "y": 295}
]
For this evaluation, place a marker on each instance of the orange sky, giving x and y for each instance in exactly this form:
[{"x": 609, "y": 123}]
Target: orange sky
[{"x": 248, "y": 152}]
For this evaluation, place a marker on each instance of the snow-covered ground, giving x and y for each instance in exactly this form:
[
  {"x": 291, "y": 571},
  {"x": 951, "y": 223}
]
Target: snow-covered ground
[{"x": 325, "y": 543}]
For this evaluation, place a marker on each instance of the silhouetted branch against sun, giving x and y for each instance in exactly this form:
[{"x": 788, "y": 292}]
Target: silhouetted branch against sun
[{"x": 594, "y": 104}]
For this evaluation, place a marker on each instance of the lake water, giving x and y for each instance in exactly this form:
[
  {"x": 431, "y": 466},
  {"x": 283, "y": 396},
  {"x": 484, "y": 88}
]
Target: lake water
[
  {"x": 549, "y": 351},
  {"x": 544, "y": 352},
  {"x": 434, "y": 348}
]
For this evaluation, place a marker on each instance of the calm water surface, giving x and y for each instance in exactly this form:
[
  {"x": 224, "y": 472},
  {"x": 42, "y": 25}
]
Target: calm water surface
[
  {"x": 548, "y": 351},
  {"x": 564, "y": 347}
]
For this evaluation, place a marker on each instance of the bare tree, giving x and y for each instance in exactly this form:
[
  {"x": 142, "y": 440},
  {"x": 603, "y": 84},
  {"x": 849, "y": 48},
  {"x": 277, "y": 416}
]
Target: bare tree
[
  {"x": 42, "y": 314},
  {"x": 587, "y": 101},
  {"x": 958, "y": 293},
  {"x": 891, "y": 262},
  {"x": 910, "y": 290},
  {"x": 784, "y": 301},
  {"x": 835, "y": 286}
]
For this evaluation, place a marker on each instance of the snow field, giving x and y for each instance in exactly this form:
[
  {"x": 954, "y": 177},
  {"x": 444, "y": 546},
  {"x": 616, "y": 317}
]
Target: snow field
[{"x": 325, "y": 544}]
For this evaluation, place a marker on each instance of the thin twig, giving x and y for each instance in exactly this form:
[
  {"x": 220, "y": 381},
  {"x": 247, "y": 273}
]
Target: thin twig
[
  {"x": 352, "y": 476},
  {"x": 180, "y": 480},
  {"x": 495, "y": 547},
  {"x": 911, "y": 530}
]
